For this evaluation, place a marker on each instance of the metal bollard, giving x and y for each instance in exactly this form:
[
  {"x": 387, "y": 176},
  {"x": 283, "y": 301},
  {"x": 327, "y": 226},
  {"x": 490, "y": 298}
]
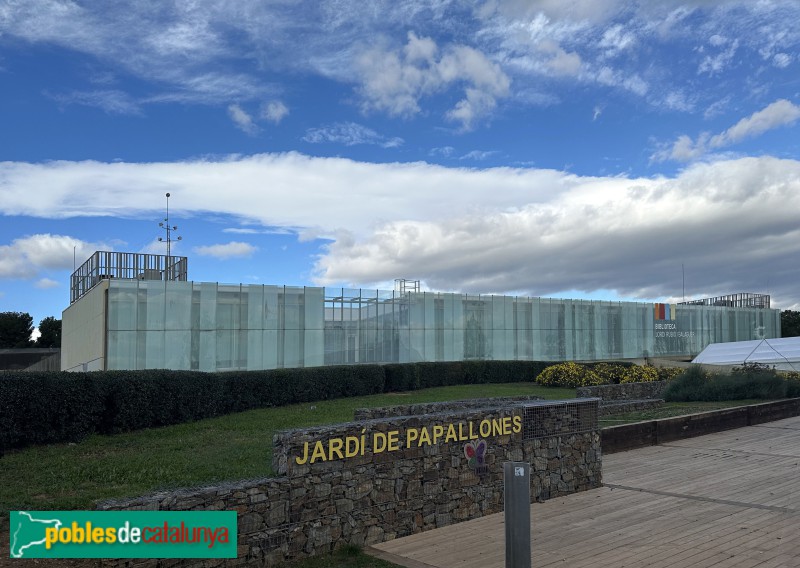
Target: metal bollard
[{"x": 517, "y": 502}]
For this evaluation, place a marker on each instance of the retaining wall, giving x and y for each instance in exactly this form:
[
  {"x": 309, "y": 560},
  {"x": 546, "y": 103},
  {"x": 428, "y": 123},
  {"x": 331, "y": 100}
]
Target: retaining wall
[
  {"x": 625, "y": 391},
  {"x": 370, "y": 481},
  {"x": 650, "y": 433}
]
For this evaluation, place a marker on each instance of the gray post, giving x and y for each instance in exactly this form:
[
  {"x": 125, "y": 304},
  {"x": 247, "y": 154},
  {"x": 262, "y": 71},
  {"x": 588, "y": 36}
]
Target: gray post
[{"x": 517, "y": 481}]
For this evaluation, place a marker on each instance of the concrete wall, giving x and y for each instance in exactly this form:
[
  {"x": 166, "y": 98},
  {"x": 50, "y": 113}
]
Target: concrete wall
[
  {"x": 371, "y": 481},
  {"x": 83, "y": 332},
  {"x": 650, "y": 433}
]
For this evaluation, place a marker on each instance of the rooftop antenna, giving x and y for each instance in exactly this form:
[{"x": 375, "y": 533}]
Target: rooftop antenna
[{"x": 168, "y": 228}]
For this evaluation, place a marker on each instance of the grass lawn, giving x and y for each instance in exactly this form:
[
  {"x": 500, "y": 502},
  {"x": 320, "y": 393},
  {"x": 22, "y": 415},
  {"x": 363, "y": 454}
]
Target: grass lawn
[{"x": 233, "y": 447}]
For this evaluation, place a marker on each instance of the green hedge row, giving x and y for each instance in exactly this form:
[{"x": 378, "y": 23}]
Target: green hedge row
[
  {"x": 49, "y": 407},
  {"x": 742, "y": 383}
]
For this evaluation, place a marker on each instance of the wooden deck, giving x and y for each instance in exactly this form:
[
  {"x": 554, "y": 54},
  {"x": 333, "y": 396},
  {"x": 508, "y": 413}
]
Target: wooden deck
[{"x": 724, "y": 500}]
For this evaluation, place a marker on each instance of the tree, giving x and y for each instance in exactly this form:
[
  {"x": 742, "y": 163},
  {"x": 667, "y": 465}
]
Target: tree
[
  {"x": 790, "y": 323},
  {"x": 15, "y": 330},
  {"x": 50, "y": 329}
]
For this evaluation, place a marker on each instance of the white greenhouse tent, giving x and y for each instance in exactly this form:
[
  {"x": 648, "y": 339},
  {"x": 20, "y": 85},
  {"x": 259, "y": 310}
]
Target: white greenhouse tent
[{"x": 783, "y": 353}]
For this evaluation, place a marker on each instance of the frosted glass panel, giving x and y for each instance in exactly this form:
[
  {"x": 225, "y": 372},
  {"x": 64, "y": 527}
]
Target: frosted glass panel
[{"x": 210, "y": 327}]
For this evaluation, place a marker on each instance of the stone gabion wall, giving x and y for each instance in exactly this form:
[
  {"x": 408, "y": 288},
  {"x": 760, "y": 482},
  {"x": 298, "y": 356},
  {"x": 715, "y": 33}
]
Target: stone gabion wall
[
  {"x": 436, "y": 407},
  {"x": 626, "y": 391},
  {"x": 367, "y": 482}
]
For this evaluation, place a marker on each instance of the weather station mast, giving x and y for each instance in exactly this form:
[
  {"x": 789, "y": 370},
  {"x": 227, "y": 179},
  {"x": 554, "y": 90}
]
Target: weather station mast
[{"x": 169, "y": 238}]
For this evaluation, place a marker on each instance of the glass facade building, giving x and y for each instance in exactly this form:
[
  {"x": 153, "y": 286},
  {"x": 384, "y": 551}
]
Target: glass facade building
[{"x": 207, "y": 326}]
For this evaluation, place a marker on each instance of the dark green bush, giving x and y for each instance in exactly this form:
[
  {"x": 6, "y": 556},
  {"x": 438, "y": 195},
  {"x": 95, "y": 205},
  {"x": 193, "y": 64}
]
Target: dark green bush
[
  {"x": 792, "y": 388},
  {"x": 695, "y": 384},
  {"x": 401, "y": 377},
  {"x": 49, "y": 407},
  {"x": 152, "y": 398},
  {"x": 45, "y": 407}
]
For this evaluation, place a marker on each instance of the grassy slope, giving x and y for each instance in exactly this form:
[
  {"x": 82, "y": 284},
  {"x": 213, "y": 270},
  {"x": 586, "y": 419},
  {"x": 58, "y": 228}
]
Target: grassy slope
[{"x": 238, "y": 446}]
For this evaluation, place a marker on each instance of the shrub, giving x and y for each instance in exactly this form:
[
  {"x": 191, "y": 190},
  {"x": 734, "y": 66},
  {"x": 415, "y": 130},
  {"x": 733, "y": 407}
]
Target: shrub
[
  {"x": 48, "y": 407},
  {"x": 687, "y": 386},
  {"x": 669, "y": 373},
  {"x": 609, "y": 373},
  {"x": 639, "y": 374},
  {"x": 698, "y": 385},
  {"x": 570, "y": 375}
]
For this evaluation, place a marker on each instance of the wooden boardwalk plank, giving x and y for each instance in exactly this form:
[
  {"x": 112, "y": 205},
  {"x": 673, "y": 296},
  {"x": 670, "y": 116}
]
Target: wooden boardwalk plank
[{"x": 726, "y": 500}]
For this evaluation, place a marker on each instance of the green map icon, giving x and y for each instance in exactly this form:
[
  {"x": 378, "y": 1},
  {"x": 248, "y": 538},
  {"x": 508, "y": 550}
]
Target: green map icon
[{"x": 27, "y": 531}]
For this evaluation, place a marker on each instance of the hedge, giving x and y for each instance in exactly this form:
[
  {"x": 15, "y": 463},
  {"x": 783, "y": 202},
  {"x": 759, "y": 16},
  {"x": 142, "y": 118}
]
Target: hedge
[
  {"x": 49, "y": 407},
  {"x": 747, "y": 382}
]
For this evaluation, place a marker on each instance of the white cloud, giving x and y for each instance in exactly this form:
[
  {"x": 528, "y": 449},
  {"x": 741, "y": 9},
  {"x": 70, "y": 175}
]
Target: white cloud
[
  {"x": 622, "y": 80},
  {"x": 27, "y": 256},
  {"x": 780, "y": 113},
  {"x": 394, "y": 81},
  {"x": 242, "y": 120},
  {"x": 781, "y": 60},
  {"x": 46, "y": 283},
  {"x": 445, "y": 151},
  {"x": 498, "y": 229},
  {"x": 233, "y": 249},
  {"x": 644, "y": 229},
  {"x": 616, "y": 40},
  {"x": 112, "y": 102},
  {"x": 350, "y": 134},
  {"x": 274, "y": 111},
  {"x": 714, "y": 64},
  {"x": 560, "y": 62},
  {"x": 241, "y": 52},
  {"x": 478, "y": 154},
  {"x": 241, "y": 231}
]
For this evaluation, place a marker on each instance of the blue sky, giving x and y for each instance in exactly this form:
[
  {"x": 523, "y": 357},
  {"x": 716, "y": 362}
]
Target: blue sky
[{"x": 551, "y": 148}]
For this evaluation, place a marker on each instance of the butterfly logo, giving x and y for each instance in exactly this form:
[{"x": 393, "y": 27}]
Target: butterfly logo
[{"x": 475, "y": 452}]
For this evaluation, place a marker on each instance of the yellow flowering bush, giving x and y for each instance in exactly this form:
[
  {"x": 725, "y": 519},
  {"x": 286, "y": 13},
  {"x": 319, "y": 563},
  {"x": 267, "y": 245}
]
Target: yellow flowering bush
[
  {"x": 669, "y": 373},
  {"x": 638, "y": 374},
  {"x": 569, "y": 375},
  {"x": 609, "y": 373}
]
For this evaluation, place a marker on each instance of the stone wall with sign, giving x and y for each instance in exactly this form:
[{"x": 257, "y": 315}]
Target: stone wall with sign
[{"x": 374, "y": 480}]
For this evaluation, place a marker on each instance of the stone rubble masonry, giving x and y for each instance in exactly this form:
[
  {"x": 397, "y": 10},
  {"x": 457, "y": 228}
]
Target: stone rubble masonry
[
  {"x": 313, "y": 508},
  {"x": 625, "y": 391}
]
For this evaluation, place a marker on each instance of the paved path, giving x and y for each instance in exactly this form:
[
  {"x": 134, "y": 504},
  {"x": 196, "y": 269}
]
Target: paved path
[{"x": 724, "y": 500}]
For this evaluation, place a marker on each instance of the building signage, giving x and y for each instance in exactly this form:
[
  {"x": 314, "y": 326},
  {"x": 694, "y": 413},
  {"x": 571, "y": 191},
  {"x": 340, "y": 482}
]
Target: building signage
[
  {"x": 666, "y": 324},
  {"x": 347, "y": 447}
]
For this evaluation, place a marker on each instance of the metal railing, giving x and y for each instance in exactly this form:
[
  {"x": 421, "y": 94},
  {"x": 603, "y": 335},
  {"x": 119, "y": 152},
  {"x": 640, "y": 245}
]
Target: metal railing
[
  {"x": 740, "y": 300},
  {"x": 103, "y": 265}
]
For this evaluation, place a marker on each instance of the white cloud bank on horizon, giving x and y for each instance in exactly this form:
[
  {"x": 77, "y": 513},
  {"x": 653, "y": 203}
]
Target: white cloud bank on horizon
[{"x": 732, "y": 224}]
